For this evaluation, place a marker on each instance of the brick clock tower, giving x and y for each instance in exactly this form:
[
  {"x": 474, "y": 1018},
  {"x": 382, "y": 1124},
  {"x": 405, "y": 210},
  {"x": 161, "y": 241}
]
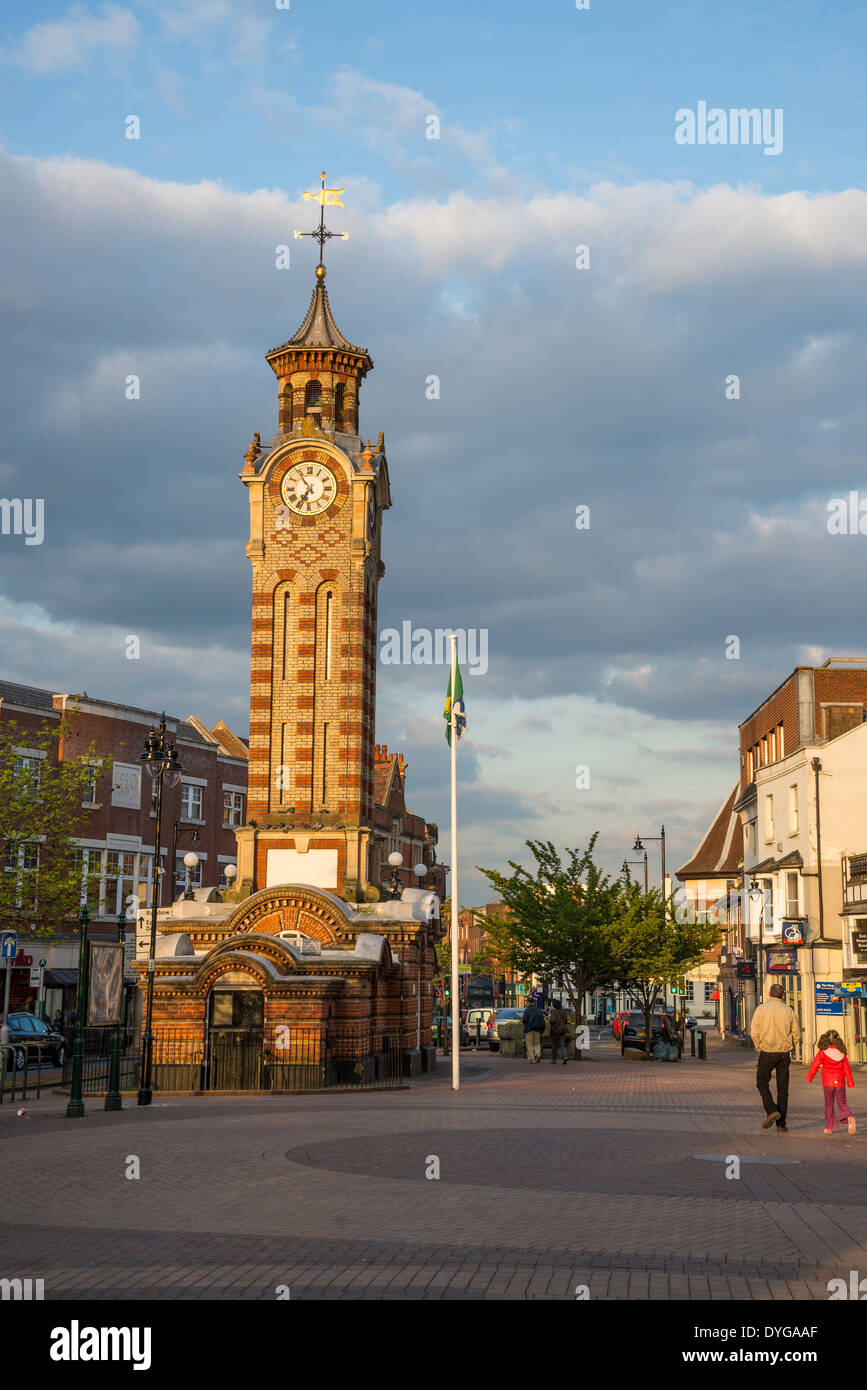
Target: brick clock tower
[{"x": 317, "y": 496}]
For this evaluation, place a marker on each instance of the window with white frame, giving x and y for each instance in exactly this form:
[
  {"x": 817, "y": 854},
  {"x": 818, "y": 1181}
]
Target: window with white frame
[
  {"x": 793, "y": 895},
  {"x": 769, "y": 818},
  {"x": 26, "y": 768},
  {"x": 709, "y": 992},
  {"x": 120, "y": 881},
  {"x": 191, "y": 801},
  {"x": 90, "y": 789},
  {"x": 690, "y": 992},
  {"x": 793, "y": 810},
  {"x": 22, "y": 861},
  {"x": 233, "y": 808}
]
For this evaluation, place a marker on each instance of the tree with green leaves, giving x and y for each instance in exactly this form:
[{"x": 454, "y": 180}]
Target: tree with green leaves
[
  {"x": 656, "y": 947},
  {"x": 560, "y": 920},
  {"x": 40, "y": 812}
]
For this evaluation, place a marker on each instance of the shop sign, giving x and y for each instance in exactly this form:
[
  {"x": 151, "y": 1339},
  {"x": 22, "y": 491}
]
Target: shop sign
[
  {"x": 854, "y": 988},
  {"x": 745, "y": 970},
  {"x": 781, "y": 960},
  {"x": 828, "y": 999},
  {"x": 793, "y": 934},
  {"x": 859, "y": 941}
]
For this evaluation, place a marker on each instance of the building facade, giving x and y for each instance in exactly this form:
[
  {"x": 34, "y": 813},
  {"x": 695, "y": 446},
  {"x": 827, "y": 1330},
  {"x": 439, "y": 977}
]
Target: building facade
[
  {"x": 711, "y": 891},
  {"x": 785, "y": 878},
  {"x": 115, "y": 838}
]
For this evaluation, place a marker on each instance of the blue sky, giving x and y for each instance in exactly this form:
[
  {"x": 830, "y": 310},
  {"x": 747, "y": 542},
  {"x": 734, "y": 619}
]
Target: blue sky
[
  {"x": 560, "y": 387},
  {"x": 563, "y": 97}
]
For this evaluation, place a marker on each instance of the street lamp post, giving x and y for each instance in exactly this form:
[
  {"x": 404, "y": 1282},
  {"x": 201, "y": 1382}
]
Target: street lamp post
[
  {"x": 113, "y": 1099},
  {"x": 627, "y": 862},
  {"x": 75, "y": 1105},
  {"x": 162, "y": 762},
  {"x": 178, "y": 829},
  {"x": 660, "y": 838}
]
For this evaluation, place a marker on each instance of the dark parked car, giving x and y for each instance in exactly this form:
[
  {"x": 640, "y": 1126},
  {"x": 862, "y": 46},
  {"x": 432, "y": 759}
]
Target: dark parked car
[
  {"x": 35, "y": 1041},
  {"x": 662, "y": 1029}
]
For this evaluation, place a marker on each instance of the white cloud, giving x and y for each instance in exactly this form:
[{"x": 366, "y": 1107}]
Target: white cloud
[{"x": 70, "y": 42}]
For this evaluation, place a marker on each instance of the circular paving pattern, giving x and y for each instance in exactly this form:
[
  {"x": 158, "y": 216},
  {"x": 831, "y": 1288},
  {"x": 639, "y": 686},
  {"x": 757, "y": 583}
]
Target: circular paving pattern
[{"x": 590, "y": 1161}]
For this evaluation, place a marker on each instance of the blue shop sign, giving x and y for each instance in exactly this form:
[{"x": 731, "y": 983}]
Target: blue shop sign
[
  {"x": 793, "y": 934},
  {"x": 781, "y": 960},
  {"x": 828, "y": 999}
]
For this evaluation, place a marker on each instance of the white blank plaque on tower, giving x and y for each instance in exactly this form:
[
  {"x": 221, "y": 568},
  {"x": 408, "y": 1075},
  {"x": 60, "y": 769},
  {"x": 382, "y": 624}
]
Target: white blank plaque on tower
[{"x": 318, "y": 867}]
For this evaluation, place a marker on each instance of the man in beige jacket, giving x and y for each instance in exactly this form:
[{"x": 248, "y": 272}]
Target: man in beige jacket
[{"x": 774, "y": 1031}]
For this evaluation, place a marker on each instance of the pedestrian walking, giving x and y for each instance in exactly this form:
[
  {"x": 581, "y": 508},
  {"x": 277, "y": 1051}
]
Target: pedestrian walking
[
  {"x": 836, "y": 1076},
  {"x": 534, "y": 1026},
  {"x": 774, "y": 1030},
  {"x": 557, "y": 1020}
]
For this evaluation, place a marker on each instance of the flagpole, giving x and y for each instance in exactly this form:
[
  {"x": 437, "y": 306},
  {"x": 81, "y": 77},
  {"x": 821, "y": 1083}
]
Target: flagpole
[{"x": 455, "y": 931}]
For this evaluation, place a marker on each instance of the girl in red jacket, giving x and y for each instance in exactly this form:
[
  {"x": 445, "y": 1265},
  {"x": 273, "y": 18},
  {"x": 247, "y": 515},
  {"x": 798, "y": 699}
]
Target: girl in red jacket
[{"x": 836, "y": 1076}]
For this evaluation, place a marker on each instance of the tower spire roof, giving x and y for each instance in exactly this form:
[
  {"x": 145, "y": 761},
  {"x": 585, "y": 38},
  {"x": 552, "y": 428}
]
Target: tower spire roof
[{"x": 319, "y": 329}]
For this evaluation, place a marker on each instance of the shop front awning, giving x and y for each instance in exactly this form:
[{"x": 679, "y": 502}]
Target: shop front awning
[{"x": 57, "y": 979}]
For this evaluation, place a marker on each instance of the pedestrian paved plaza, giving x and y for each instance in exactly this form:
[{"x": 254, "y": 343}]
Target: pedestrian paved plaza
[{"x": 606, "y": 1178}]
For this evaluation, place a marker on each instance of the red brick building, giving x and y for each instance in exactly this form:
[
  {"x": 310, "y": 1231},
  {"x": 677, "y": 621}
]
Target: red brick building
[
  {"x": 115, "y": 839},
  {"x": 397, "y": 830}
]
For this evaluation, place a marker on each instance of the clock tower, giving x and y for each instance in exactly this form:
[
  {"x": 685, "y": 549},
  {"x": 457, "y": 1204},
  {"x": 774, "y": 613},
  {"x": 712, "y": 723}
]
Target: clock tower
[{"x": 317, "y": 494}]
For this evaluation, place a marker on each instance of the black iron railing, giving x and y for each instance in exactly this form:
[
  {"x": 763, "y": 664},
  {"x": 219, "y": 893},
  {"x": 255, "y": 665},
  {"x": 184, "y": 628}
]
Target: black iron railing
[{"x": 281, "y": 1057}]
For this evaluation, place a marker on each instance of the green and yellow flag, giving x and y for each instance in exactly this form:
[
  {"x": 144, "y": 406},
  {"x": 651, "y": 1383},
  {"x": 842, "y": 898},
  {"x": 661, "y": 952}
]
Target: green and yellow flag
[{"x": 460, "y": 713}]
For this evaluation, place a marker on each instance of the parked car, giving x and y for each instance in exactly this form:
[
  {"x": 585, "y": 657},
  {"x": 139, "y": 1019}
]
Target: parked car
[
  {"x": 662, "y": 1029},
  {"x": 34, "y": 1040},
  {"x": 501, "y": 1016}
]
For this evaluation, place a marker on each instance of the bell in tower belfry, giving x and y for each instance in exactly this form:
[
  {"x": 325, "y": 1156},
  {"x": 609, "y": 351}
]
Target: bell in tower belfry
[{"x": 316, "y": 502}]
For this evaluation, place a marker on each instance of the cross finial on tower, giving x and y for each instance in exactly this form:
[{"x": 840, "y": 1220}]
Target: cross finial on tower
[{"x": 326, "y": 197}]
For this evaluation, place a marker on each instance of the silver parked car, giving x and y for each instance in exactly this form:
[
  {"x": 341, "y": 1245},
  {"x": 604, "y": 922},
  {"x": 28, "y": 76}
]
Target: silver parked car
[{"x": 501, "y": 1016}]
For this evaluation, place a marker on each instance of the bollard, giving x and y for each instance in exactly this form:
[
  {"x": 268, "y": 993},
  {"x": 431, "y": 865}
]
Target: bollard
[
  {"x": 478, "y": 1033},
  {"x": 702, "y": 1046},
  {"x": 692, "y": 1033}
]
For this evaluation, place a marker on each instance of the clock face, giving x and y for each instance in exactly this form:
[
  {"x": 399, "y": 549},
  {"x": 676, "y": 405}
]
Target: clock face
[{"x": 309, "y": 488}]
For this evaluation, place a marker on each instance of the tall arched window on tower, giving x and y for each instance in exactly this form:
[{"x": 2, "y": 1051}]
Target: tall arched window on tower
[
  {"x": 313, "y": 400},
  {"x": 339, "y": 405},
  {"x": 329, "y": 623},
  {"x": 286, "y": 410}
]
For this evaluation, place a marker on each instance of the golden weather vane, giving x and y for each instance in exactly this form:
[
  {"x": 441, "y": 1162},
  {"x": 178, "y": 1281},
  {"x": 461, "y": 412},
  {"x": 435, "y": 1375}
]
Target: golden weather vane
[{"x": 326, "y": 197}]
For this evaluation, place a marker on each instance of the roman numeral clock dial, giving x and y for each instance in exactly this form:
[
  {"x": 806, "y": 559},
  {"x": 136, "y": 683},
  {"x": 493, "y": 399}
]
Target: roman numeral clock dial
[{"x": 308, "y": 489}]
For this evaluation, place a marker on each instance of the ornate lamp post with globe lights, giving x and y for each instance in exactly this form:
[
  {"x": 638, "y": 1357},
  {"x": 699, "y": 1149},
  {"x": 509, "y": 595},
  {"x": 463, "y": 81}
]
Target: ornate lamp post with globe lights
[
  {"x": 392, "y": 883},
  {"x": 191, "y": 862},
  {"x": 164, "y": 765}
]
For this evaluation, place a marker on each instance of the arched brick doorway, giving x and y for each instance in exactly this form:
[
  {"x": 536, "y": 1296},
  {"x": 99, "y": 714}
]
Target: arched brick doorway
[{"x": 235, "y": 1031}]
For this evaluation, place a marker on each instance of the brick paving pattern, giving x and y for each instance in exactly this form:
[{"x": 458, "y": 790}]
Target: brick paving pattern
[{"x": 609, "y": 1174}]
